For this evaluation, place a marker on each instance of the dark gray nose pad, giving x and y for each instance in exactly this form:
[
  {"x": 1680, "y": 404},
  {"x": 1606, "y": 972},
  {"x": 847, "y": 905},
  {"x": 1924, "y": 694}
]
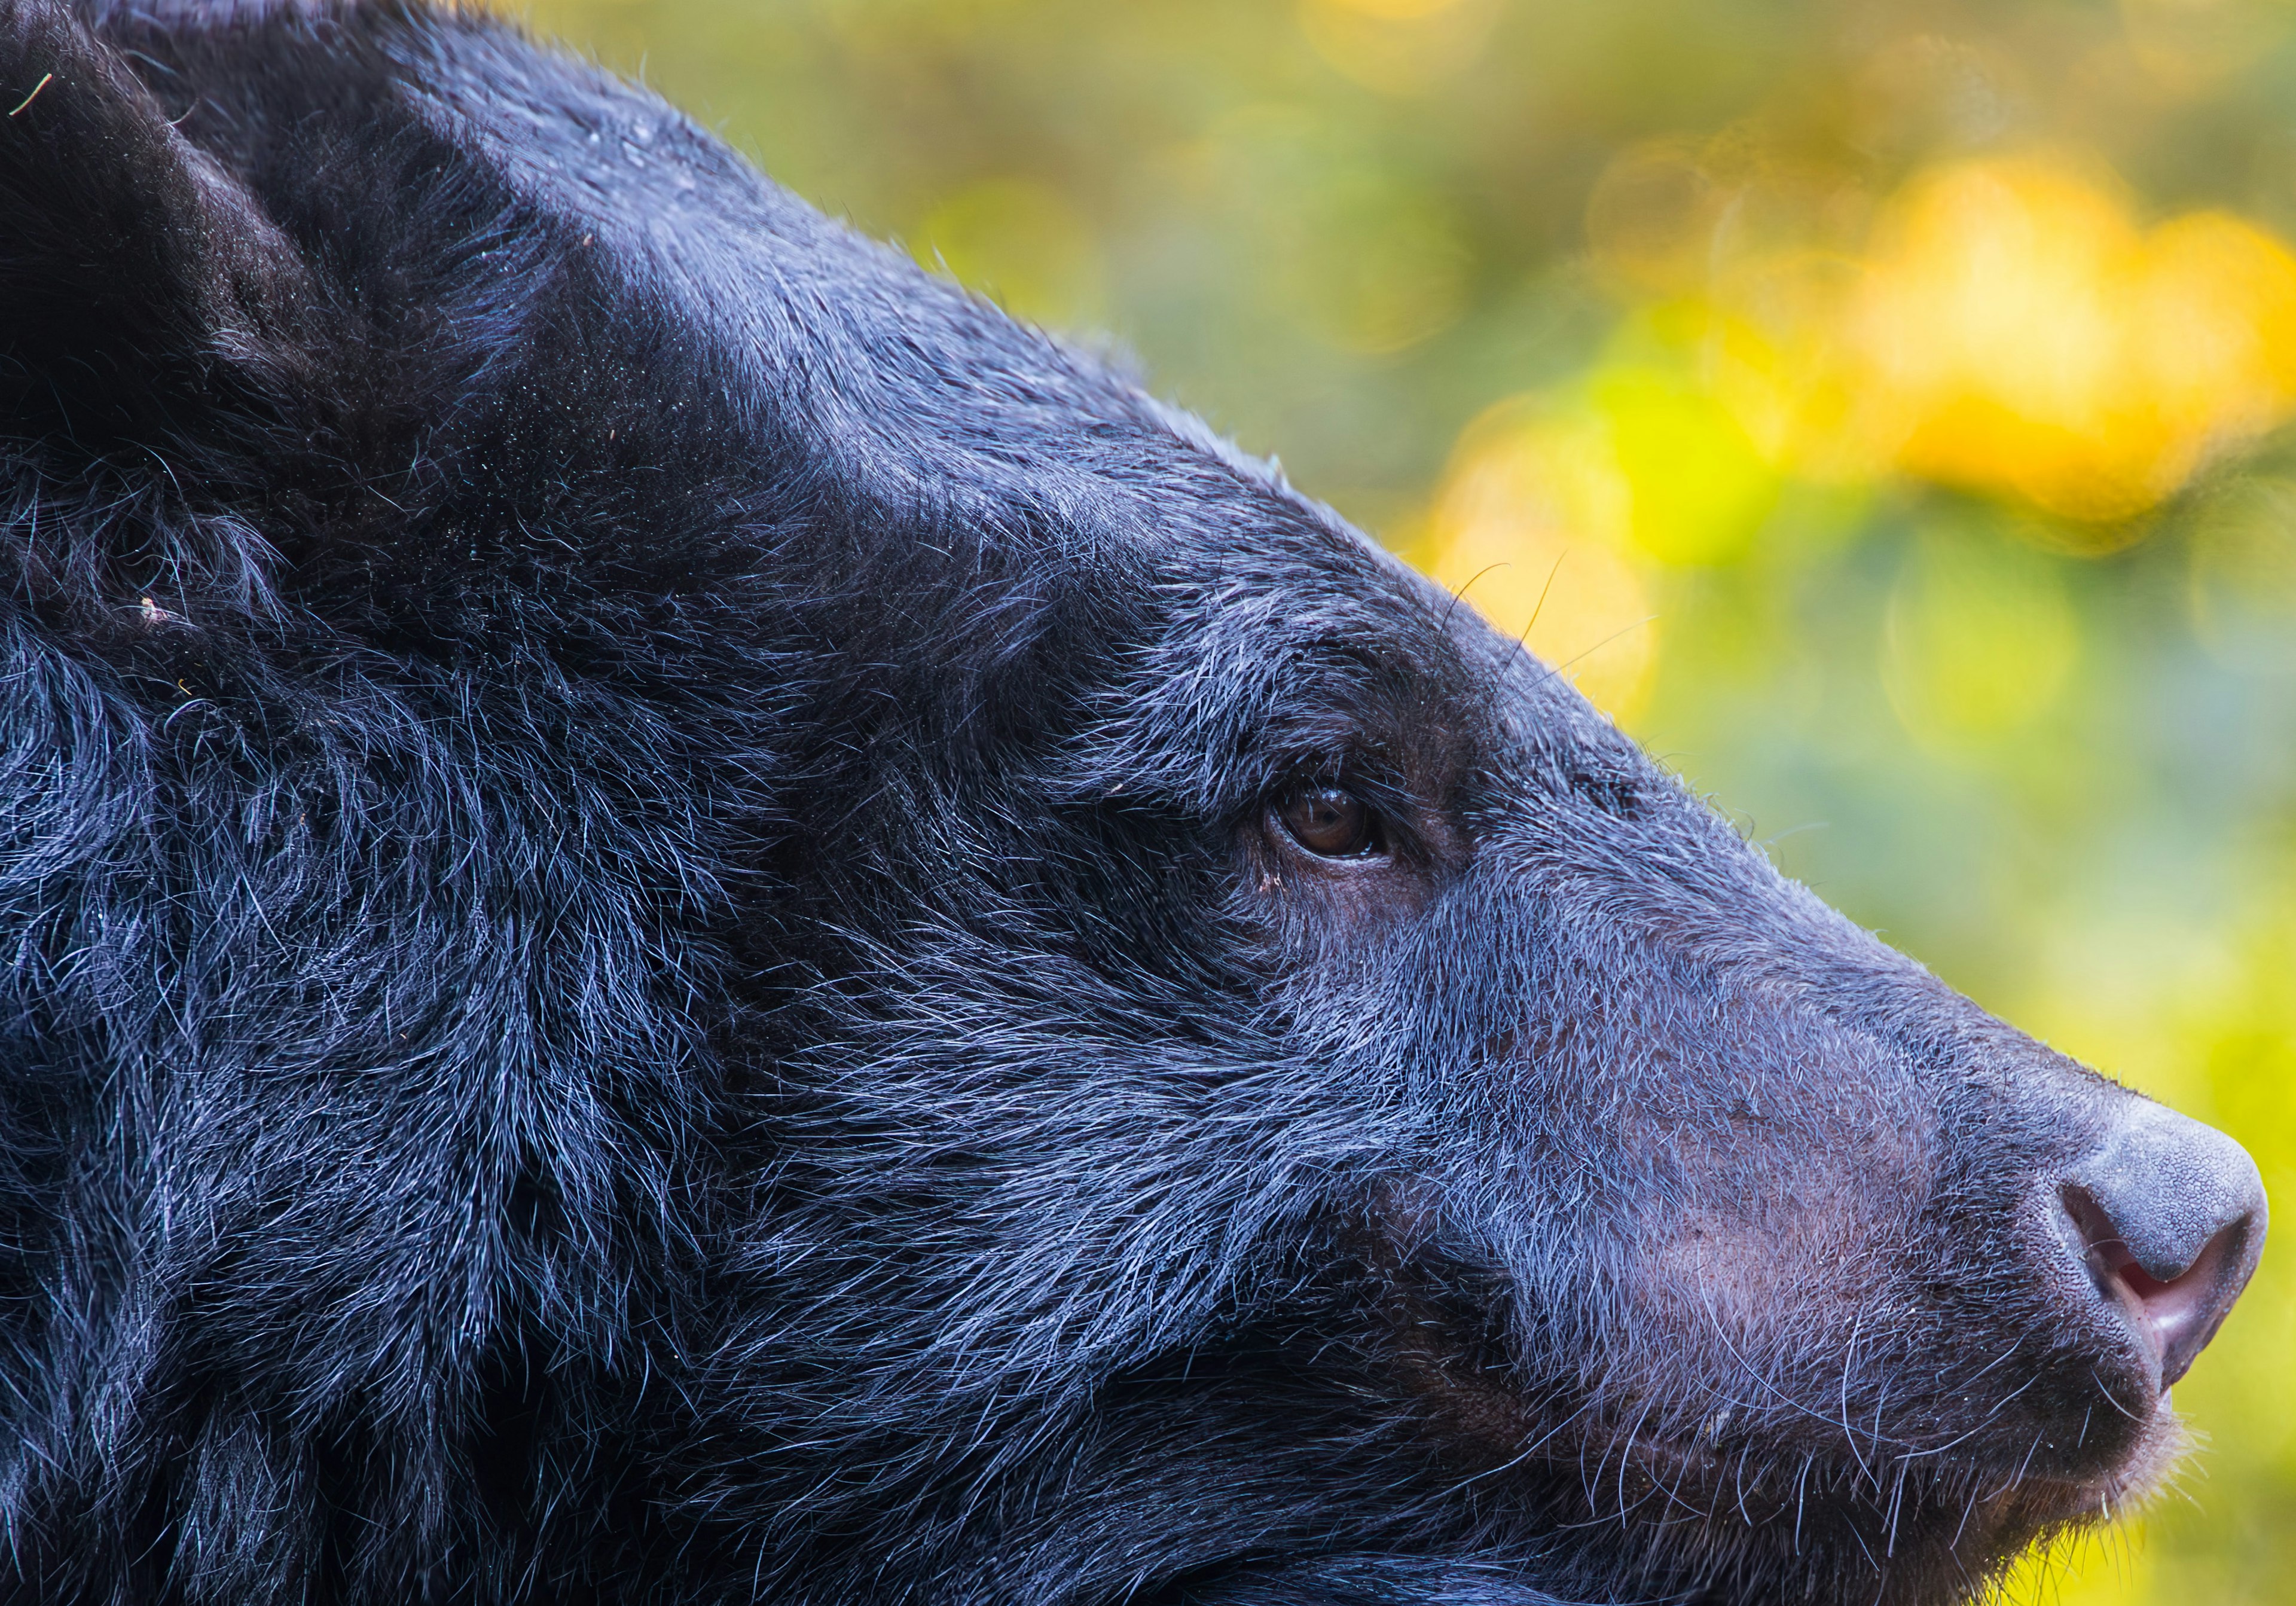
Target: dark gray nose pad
[{"x": 2169, "y": 1217}]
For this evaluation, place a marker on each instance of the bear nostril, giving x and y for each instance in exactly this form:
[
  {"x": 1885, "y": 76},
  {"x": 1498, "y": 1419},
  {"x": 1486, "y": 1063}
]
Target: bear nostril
[
  {"x": 2174, "y": 1317},
  {"x": 2168, "y": 1216}
]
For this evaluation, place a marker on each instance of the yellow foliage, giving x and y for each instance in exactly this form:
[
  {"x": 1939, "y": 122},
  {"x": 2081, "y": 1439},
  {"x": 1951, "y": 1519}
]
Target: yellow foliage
[
  {"x": 2030, "y": 339},
  {"x": 1780, "y": 356},
  {"x": 2008, "y": 328},
  {"x": 1696, "y": 489}
]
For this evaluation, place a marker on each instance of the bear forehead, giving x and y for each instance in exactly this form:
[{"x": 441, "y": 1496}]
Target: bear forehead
[
  {"x": 926, "y": 400},
  {"x": 817, "y": 370},
  {"x": 924, "y": 394}
]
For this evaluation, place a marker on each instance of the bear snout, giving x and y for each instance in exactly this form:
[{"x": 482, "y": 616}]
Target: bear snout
[{"x": 2165, "y": 1218}]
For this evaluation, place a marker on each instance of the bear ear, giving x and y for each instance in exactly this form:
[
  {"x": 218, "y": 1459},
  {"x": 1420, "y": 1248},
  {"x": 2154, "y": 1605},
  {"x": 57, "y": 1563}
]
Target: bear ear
[{"x": 141, "y": 286}]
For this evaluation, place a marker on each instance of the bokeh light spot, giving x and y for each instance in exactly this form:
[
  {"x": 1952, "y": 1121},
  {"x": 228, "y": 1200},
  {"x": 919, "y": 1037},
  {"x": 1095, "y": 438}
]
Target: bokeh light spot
[
  {"x": 1021, "y": 243},
  {"x": 2242, "y": 547},
  {"x": 1697, "y": 489},
  {"x": 1979, "y": 638},
  {"x": 1397, "y": 47},
  {"x": 1778, "y": 356},
  {"x": 1525, "y": 527},
  {"x": 2037, "y": 343}
]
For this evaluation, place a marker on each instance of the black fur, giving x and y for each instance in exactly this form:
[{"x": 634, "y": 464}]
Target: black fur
[{"x": 647, "y": 959}]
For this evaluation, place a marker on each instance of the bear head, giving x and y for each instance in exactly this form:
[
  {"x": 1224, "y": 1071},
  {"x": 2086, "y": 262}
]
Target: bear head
[{"x": 690, "y": 920}]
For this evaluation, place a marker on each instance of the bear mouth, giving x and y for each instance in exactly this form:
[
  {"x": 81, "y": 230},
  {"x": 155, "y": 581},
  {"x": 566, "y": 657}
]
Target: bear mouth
[
  {"x": 1749, "y": 1483},
  {"x": 1712, "y": 1513},
  {"x": 2044, "y": 1498},
  {"x": 1708, "y": 1472}
]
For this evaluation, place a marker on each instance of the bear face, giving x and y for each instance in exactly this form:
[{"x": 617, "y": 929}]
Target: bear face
[{"x": 691, "y": 921}]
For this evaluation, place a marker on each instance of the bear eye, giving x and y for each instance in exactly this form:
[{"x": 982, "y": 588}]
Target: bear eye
[{"x": 1329, "y": 822}]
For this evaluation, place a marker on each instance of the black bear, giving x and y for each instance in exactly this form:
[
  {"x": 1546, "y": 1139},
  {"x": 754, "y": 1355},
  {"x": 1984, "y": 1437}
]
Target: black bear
[{"x": 687, "y": 921}]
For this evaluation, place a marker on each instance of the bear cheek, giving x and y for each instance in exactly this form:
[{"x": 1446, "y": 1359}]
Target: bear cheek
[
  {"x": 1783, "y": 1223},
  {"x": 1769, "y": 1264}
]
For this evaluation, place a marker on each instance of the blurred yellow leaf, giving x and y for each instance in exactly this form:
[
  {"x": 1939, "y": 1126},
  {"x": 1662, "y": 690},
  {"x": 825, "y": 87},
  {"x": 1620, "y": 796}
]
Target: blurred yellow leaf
[
  {"x": 2033, "y": 341},
  {"x": 1526, "y": 527},
  {"x": 1779, "y": 357},
  {"x": 1697, "y": 490}
]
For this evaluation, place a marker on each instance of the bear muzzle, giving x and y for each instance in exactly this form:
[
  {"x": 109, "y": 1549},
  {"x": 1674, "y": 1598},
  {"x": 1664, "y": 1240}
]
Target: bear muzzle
[{"x": 2166, "y": 1218}]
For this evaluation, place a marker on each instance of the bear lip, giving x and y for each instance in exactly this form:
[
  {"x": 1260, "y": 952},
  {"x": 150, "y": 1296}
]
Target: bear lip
[{"x": 2141, "y": 1473}]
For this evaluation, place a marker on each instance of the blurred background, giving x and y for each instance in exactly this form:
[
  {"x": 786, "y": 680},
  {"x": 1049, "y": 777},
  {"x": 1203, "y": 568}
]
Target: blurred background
[{"x": 1890, "y": 401}]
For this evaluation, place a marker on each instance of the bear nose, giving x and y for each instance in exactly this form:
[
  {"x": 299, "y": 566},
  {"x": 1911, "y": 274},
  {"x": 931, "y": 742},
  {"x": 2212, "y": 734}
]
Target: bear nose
[{"x": 2168, "y": 1216}]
